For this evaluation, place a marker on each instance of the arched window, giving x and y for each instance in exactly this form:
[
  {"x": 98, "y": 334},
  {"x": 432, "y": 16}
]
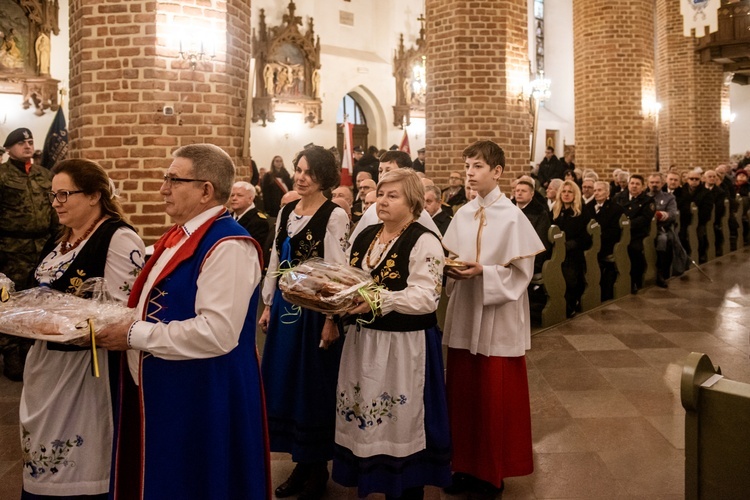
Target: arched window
[{"x": 350, "y": 109}]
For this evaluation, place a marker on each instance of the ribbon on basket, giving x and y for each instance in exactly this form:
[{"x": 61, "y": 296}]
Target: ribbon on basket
[
  {"x": 371, "y": 295},
  {"x": 94, "y": 356}
]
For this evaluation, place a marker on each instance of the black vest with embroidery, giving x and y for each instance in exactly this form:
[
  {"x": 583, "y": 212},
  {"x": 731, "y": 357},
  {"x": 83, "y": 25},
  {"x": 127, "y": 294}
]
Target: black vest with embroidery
[
  {"x": 393, "y": 273},
  {"x": 309, "y": 242},
  {"x": 90, "y": 261}
]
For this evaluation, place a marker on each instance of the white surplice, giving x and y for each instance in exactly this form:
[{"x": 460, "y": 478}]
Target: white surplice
[
  {"x": 482, "y": 310},
  {"x": 65, "y": 412},
  {"x": 370, "y": 217},
  {"x": 380, "y": 392}
]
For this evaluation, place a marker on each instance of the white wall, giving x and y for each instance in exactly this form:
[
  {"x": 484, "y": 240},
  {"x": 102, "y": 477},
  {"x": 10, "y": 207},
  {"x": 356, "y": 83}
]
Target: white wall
[
  {"x": 354, "y": 59},
  {"x": 559, "y": 110},
  {"x": 12, "y": 114},
  {"x": 739, "y": 131}
]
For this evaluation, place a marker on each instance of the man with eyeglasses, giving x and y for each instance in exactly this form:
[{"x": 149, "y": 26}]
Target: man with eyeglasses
[
  {"x": 27, "y": 220},
  {"x": 695, "y": 192},
  {"x": 193, "y": 374},
  {"x": 455, "y": 194}
]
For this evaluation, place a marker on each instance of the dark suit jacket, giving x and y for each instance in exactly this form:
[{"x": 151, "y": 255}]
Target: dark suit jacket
[
  {"x": 539, "y": 217},
  {"x": 609, "y": 221},
  {"x": 640, "y": 210},
  {"x": 417, "y": 165},
  {"x": 702, "y": 199},
  {"x": 457, "y": 199},
  {"x": 256, "y": 224},
  {"x": 442, "y": 220}
]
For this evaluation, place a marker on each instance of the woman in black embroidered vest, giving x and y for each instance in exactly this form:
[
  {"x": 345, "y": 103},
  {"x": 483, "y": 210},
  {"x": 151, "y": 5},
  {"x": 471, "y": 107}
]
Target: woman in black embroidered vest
[
  {"x": 299, "y": 376},
  {"x": 392, "y": 433},
  {"x": 65, "y": 412},
  {"x": 273, "y": 186}
]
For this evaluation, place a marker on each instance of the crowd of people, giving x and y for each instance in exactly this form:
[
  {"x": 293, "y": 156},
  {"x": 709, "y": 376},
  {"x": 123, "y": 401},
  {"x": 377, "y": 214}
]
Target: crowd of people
[
  {"x": 185, "y": 408},
  {"x": 574, "y": 198}
]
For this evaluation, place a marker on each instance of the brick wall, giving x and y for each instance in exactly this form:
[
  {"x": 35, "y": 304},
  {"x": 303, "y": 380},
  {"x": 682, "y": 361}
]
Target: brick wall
[
  {"x": 614, "y": 79},
  {"x": 476, "y": 64},
  {"x": 125, "y": 68},
  {"x": 691, "y": 132}
]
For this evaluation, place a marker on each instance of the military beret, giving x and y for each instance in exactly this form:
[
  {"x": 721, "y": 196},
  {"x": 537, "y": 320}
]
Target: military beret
[
  {"x": 420, "y": 150},
  {"x": 358, "y": 149},
  {"x": 18, "y": 135},
  {"x": 394, "y": 148}
]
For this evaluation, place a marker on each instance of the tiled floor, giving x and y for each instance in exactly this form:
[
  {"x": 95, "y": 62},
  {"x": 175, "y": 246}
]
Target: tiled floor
[{"x": 607, "y": 418}]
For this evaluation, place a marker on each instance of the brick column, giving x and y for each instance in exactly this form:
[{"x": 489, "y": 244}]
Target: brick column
[
  {"x": 614, "y": 85},
  {"x": 691, "y": 129},
  {"x": 477, "y": 62},
  {"x": 125, "y": 69}
]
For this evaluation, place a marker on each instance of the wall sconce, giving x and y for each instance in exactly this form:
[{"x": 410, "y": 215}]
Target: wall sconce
[
  {"x": 650, "y": 109},
  {"x": 727, "y": 116},
  {"x": 193, "y": 57},
  {"x": 538, "y": 91}
]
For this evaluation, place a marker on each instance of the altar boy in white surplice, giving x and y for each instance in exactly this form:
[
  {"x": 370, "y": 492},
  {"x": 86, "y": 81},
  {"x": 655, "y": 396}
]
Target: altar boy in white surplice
[{"x": 487, "y": 330}]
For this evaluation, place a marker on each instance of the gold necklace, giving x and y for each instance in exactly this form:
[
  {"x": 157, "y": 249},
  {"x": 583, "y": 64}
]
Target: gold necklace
[{"x": 368, "y": 255}]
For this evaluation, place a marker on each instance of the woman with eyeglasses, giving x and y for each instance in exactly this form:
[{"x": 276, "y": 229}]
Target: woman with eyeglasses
[
  {"x": 65, "y": 412},
  {"x": 301, "y": 354}
]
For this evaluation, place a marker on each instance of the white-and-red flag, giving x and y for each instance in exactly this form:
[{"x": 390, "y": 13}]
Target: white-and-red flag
[
  {"x": 404, "y": 146},
  {"x": 347, "y": 157}
]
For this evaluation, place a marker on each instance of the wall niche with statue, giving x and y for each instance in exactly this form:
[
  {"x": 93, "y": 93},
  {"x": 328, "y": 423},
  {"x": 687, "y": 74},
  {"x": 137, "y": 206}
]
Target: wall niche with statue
[
  {"x": 410, "y": 71},
  {"x": 26, "y": 27},
  {"x": 287, "y": 75}
]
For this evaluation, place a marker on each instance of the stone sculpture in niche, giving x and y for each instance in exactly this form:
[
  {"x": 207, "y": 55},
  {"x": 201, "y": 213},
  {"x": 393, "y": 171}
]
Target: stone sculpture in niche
[
  {"x": 25, "y": 30},
  {"x": 290, "y": 76}
]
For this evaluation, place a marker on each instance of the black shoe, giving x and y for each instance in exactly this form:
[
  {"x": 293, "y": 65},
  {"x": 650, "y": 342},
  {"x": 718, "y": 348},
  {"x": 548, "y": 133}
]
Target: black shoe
[
  {"x": 294, "y": 483},
  {"x": 634, "y": 289},
  {"x": 13, "y": 361},
  {"x": 482, "y": 490},
  {"x": 460, "y": 483},
  {"x": 315, "y": 486},
  {"x": 661, "y": 283}
]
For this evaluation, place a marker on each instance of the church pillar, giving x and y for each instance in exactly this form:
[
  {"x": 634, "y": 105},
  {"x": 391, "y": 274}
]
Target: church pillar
[
  {"x": 134, "y": 100},
  {"x": 692, "y": 131},
  {"x": 477, "y": 63},
  {"x": 615, "y": 94}
]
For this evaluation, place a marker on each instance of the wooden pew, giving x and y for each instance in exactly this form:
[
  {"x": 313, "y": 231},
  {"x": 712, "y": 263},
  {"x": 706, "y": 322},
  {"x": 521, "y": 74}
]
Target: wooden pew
[
  {"x": 725, "y": 246},
  {"x": 717, "y": 432},
  {"x": 692, "y": 233},
  {"x": 649, "y": 253},
  {"x": 711, "y": 237},
  {"x": 622, "y": 261},
  {"x": 554, "y": 282},
  {"x": 740, "y": 228},
  {"x": 592, "y": 295}
]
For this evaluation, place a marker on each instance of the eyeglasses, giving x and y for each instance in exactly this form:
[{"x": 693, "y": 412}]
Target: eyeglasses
[
  {"x": 170, "y": 180},
  {"x": 454, "y": 178},
  {"x": 60, "y": 196}
]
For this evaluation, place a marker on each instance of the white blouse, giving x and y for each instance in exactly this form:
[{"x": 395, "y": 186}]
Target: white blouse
[
  {"x": 334, "y": 245},
  {"x": 225, "y": 287},
  {"x": 65, "y": 412}
]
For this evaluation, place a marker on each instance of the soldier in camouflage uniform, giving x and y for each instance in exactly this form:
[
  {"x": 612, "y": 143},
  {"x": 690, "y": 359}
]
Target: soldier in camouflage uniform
[{"x": 27, "y": 221}]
